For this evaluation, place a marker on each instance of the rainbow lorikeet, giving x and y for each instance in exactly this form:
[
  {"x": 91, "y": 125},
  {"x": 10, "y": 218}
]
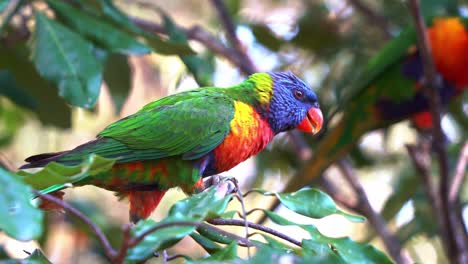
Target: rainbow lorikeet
[
  {"x": 391, "y": 91},
  {"x": 179, "y": 139}
]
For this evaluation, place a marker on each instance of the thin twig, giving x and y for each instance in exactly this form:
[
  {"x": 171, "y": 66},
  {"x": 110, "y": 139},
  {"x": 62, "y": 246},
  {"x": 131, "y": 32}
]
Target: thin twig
[
  {"x": 391, "y": 242},
  {"x": 456, "y": 247},
  {"x": 172, "y": 257},
  {"x": 164, "y": 254},
  {"x": 232, "y": 36},
  {"x": 460, "y": 173},
  {"x": 374, "y": 18},
  {"x": 110, "y": 252},
  {"x": 236, "y": 222},
  {"x": 244, "y": 214}
]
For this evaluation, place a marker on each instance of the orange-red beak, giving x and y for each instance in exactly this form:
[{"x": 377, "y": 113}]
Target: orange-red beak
[{"x": 313, "y": 121}]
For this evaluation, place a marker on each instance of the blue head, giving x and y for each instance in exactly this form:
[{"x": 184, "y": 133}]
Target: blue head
[{"x": 293, "y": 104}]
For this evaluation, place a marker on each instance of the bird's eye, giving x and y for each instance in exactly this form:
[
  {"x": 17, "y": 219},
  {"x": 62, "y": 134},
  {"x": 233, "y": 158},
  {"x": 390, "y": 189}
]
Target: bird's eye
[{"x": 298, "y": 94}]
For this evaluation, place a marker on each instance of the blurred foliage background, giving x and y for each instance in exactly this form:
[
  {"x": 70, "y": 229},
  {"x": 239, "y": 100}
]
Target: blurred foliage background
[{"x": 326, "y": 42}]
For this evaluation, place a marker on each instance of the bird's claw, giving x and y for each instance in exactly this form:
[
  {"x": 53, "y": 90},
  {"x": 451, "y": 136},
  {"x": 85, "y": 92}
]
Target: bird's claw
[{"x": 226, "y": 185}]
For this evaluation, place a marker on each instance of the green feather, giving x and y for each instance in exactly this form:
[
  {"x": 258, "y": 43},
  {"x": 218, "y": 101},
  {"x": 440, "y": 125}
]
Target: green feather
[{"x": 156, "y": 132}]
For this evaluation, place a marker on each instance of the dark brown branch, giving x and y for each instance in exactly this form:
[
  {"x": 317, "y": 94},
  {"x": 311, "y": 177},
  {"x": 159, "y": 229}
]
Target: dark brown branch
[
  {"x": 204, "y": 37},
  {"x": 232, "y": 36},
  {"x": 110, "y": 252},
  {"x": 374, "y": 18},
  {"x": 420, "y": 155},
  {"x": 391, "y": 242},
  {"x": 235, "y": 222},
  {"x": 460, "y": 172},
  {"x": 456, "y": 246}
]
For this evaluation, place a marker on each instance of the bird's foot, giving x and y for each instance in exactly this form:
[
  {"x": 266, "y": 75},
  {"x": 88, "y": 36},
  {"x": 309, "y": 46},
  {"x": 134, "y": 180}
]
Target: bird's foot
[{"x": 225, "y": 184}]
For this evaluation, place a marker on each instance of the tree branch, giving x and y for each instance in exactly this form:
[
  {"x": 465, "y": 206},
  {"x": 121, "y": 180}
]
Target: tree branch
[
  {"x": 421, "y": 159},
  {"x": 456, "y": 246},
  {"x": 391, "y": 242},
  {"x": 235, "y": 222},
  {"x": 232, "y": 36},
  {"x": 110, "y": 252},
  {"x": 204, "y": 37}
]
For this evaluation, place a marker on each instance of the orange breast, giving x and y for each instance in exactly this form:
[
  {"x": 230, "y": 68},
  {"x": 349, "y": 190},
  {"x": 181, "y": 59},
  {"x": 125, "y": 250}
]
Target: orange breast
[
  {"x": 449, "y": 43},
  {"x": 249, "y": 135}
]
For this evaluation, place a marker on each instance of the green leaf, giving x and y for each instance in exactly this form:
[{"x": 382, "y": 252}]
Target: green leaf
[
  {"x": 118, "y": 79},
  {"x": 312, "y": 203},
  {"x": 349, "y": 251},
  {"x": 266, "y": 254},
  {"x": 108, "y": 11},
  {"x": 99, "y": 31},
  {"x": 193, "y": 209},
  {"x": 20, "y": 219},
  {"x": 201, "y": 206},
  {"x": 207, "y": 244},
  {"x": 157, "y": 240},
  {"x": 57, "y": 174},
  {"x": 276, "y": 244},
  {"x": 50, "y": 108},
  {"x": 63, "y": 57},
  {"x": 229, "y": 252},
  {"x": 10, "y": 89},
  {"x": 315, "y": 252},
  {"x": 214, "y": 236}
]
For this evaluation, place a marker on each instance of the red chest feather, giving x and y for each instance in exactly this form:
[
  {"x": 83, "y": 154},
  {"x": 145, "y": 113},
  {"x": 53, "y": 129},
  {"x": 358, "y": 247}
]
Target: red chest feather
[{"x": 249, "y": 135}]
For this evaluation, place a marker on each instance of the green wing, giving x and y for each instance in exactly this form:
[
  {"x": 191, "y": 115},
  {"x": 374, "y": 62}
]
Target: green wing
[{"x": 190, "y": 124}]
